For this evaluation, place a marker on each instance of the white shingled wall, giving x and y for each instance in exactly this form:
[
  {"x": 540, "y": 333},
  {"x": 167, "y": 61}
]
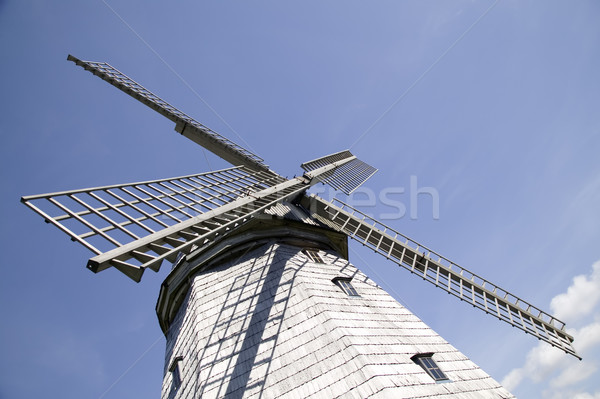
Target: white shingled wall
[{"x": 273, "y": 325}]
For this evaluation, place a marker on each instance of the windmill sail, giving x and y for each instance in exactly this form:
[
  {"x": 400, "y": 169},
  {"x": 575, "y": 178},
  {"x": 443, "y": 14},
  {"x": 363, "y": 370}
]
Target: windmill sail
[
  {"x": 135, "y": 226},
  {"x": 442, "y": 272},
  {"x": 346, "y": 178},
  {"x": 184, "y": 124}
]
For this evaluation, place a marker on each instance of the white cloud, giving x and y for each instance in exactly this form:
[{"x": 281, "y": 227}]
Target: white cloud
[
  {"x": 585, "y": 395},
  {"x": 572, "y": 395},
  {"x": 587, "y": 337},
  {"x": 574, "y": 374},
  {"x": 513, "y": 379},
  {"x": 581, "y": 297},
  {"x": 550, "y": 365},
  {"x": 541, "y": 361}
]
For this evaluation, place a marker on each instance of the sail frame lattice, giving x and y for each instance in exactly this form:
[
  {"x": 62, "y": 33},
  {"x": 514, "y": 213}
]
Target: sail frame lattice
[
  {"x": 111, "y": 217},
  {"x": 442, "y": 272},
  {"x": 185, "y": 124},
  {"x": 348, "y": 174}
]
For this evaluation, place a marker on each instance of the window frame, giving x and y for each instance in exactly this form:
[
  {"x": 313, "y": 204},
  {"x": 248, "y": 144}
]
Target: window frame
[
  {"x": 345, "y": 284},
  {"x": 175, "y": 370},
  {"x": 313, "y": 255},
  {"x": 430, "y": 366}
]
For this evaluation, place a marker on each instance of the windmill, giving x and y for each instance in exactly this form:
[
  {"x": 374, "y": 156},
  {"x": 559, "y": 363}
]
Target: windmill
[{"x": 261, "y": 299}]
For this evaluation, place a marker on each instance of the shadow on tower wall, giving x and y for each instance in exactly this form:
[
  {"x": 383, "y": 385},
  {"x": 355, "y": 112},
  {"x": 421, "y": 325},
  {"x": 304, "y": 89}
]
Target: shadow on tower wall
[{"x": 239, "y": 349}]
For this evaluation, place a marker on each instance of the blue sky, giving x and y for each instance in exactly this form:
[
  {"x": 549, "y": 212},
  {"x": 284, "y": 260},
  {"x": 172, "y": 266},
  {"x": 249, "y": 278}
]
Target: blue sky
[{"x": 492, "y": 105}]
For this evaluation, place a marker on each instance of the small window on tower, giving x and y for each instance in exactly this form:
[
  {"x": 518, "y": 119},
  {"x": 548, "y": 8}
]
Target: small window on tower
[
  {"x": 175, "y": 370},
  {"x": 425, "y": 360},
  {"x": 313, "y": 255},
  {"x": 345, "y": 284}
]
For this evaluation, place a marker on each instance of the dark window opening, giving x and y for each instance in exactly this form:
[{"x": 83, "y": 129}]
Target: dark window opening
[
  {"x": 175, "y": 370},
  {"x": 313, "y": 255},
  {"x": 345, "y": 284},
  {"x": 425, "y": 360}
]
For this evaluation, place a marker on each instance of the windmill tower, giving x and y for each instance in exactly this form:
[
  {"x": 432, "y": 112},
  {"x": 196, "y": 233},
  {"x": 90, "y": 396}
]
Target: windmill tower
[{"x": 261, "y": 300}]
